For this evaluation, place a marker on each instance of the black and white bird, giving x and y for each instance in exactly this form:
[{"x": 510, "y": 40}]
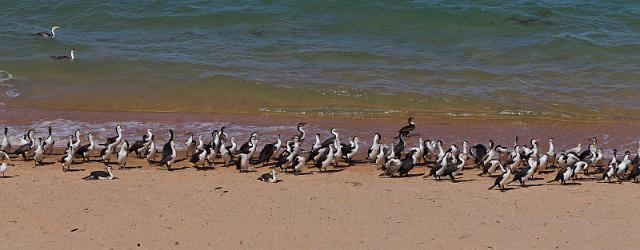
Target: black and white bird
[
  {"x": 399, "y": 148},
  {"x": 199, "y": 158},
  {"x": 501, "y": 180},
  {"x": 123, "y": 154},
  {"x": 67, "y": 159},
  {"x": 25, "y": 148},
  {"x": 38, "y": 154},
  {"x": 152, "y": 150},
  {"x": 269, "y": 177},
  {"x": 101, "y": 175},
  {"x": 77, "y": 142},
  {"x": 375, "y": 147},
  {"x": 351, "y": 150},
  {"x": 169, "y": 152},
  {"x": 268, "y": 151},
  {"x": 86, "y": 150},
  {"x": 302, "y": 134},
  {"x": 298, "y": 163},
  {"x": 49, "y": 142},
  {"x": 191, "y": 144},
  {"x": 406, "y": 130},
  {"x": 50, "y": 34},
  {"x": 71, "y": 56},
  {"x": 114, "y": 140},
  {"x": 139, "y": 147},
  {"x": 242, "y": 164},
  {"x": 224, "y": 154},
  {"x": 316, "y": 144},
  {"x": 325, "y": 159},
  {"x": 330, "y": 140},
  {"x": 564, "y": 174},
  {"x": 5, "y": 143}
]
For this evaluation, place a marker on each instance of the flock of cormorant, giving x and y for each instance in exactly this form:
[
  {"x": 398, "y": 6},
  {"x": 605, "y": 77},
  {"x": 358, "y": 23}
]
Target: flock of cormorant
[{"x": 518, "y": 163}]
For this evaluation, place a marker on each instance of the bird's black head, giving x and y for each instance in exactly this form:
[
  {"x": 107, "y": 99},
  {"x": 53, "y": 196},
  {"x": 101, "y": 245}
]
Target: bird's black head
[{"x": 301, "y": 124}]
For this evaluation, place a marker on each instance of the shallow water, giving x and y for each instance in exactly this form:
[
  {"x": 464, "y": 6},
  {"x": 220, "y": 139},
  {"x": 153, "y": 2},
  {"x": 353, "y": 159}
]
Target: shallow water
[{"x": 569, "y": 60}]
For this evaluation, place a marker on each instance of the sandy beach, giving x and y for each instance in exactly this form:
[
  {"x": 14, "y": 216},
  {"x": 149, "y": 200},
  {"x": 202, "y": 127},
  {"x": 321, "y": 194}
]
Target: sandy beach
[{"x": 148, "y": 207}]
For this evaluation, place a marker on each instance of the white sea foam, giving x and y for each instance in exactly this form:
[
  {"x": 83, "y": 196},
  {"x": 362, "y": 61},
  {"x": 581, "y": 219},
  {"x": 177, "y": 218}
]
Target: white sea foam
[{"x": 8, "y": 89}]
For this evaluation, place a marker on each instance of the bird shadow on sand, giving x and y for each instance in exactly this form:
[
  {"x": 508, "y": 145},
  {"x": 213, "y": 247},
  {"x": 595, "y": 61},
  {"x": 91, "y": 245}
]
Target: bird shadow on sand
[
  {"x": 205, "y": 168},
  {"x": 462, "y": 180},
  {"x": 8, "y": 176},
  {"x": 74, "y": 170},
  {"x": 546, "y": 171},
  {"x": 177, "y": 169},
  {"x": 571, "y": 184},
  {"x": 301, "y": 173},
  {"x": 130, "y": 167},
  {"x": 248, "y": 171},
  {"x": 46, "y": 163},
  {"x": 330, "y": 171}
]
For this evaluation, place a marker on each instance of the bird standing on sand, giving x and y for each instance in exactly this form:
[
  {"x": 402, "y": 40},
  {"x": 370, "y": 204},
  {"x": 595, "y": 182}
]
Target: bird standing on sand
[
  {"x": 113, "y": 142},
  {"x": 51, "y": 34},
  {"x": 67, "y": 159},
  {"x": 191, "y": 144},
  {"x": 375, "y": 148},
  {"x": 122, "y": 155},
  {"x": 169, "y": 152},
  {"x": 5, "y": 144},
  {"x": 39, "y": 153},
  {"x": 139, "y": 147},
  {"x": 502, "y": 179},
  {"x": 151, "y": 150},
  {"x": 3, "y": 168},
  {"x": 49, "y": 143},
  {"x": 268, "y": 151},
  {"x": 242, "y": 164},
  {"x": 85, "y": 150}
]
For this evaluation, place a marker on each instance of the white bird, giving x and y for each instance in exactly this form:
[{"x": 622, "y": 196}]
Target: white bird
[
  {"x": 39, "y": 153},
  {"x": 380, "y": 159},
  {"x": 5, "y": 144},
  {"x": 191, "y": 144},
  {"x": 224, "y": 154},
  {"x": 3, "y": 168},
  {"x": 122, "y": 155},
  {"x": 67, "y": 159},
  {"x": 49, "y": 143},
  {"x": 152, "y": 150},
  {"x": 373, "y": 150}
]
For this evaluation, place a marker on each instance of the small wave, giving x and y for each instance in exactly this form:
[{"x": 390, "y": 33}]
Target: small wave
[
  {"x": 5, "y": 76},
  {"x": 9, "y": 90}
]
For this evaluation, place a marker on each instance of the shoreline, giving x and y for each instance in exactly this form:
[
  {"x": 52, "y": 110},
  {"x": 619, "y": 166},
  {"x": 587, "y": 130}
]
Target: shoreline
[{"x": 612, "y": 134}]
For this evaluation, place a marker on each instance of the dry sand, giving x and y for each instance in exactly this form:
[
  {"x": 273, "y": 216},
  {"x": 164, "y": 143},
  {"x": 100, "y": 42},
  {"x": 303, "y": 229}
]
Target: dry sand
[{"x": 151, "y": 208}]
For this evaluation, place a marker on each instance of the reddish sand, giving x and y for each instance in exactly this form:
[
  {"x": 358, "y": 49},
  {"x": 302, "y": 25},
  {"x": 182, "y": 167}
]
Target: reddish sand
[{"x": 151, "y": 208}]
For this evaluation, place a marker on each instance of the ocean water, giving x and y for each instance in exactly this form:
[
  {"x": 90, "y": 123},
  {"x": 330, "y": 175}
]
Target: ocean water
[{"x": 574, "y": 60}]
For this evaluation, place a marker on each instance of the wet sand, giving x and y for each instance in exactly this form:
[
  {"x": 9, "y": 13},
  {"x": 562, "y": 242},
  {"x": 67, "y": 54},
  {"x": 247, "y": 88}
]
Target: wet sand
[{"x": 151, "y": 208}]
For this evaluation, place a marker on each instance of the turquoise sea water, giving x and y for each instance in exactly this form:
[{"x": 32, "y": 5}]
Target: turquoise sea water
[{"x": 562, "y": 59}]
